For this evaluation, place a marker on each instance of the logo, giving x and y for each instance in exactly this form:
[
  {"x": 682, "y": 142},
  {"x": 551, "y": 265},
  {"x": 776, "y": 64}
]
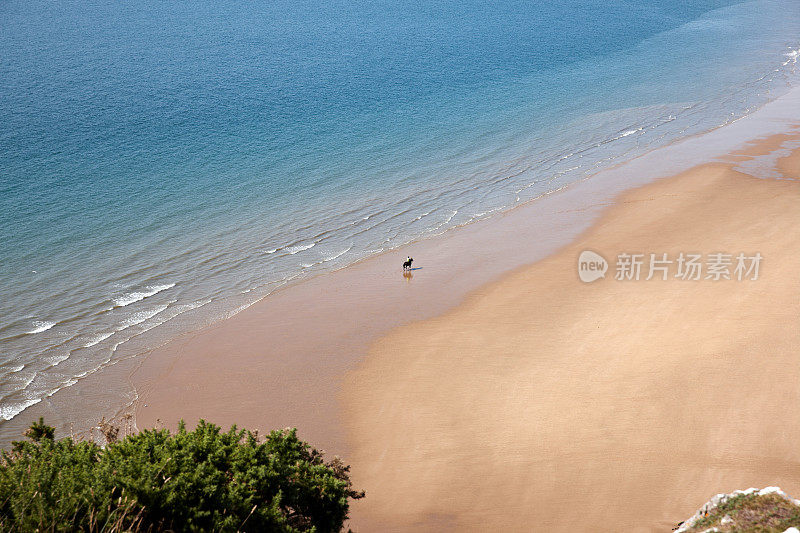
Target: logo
[{"x": 591, "y": 266}]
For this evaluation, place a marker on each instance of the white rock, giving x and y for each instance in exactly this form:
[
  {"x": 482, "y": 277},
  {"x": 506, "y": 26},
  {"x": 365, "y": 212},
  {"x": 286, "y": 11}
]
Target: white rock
[
  {"x": 721, "y": 498},
  {"x": 726, "y": 520}
]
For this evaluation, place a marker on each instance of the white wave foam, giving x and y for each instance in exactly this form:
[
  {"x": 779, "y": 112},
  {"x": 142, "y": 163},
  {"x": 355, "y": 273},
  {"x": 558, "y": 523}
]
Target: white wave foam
[
  {"x": 55, "y": 361},
  {"x": 441, "y": 224},
  {"x": 98, "y": 339},
  {"x": 144, "y": 316},
  {"x": 40, "y": 326},
  {"x": 133, "y": 297},
  {"x": 15, "y": 383},
  {"x": 141, "y": 316},
  {"x": 291, "y": 250},
  {"x": 423, "y": 215},
  {"x": 484, "y": 213},
  {"x": 192, "y": 306},
  {"x": 10, "y": 410},
  {"x": 69, "y": 383},
  {"x": 299, "y": 248},
  {"x": 340, "y": 254},
  {"x": 630, "y": 132}
]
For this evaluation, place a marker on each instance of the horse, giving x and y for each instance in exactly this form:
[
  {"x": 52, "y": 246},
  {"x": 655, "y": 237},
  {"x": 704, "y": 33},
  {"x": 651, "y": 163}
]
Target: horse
[{"x": 407, "y": 263}]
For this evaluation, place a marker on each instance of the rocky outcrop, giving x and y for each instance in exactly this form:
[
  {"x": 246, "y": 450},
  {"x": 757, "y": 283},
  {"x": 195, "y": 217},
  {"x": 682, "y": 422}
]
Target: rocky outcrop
[{"x": 768, "y": 509}]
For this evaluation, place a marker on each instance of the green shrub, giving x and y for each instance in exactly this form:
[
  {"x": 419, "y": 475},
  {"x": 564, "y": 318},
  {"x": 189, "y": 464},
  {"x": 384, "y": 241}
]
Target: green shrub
[{"x": 200, "y": 480}]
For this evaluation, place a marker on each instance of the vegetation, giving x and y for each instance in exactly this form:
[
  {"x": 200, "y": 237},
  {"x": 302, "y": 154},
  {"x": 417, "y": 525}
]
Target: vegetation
[
  {"x": 200, "y": 480},
  {"x": 751, "y": 513}
]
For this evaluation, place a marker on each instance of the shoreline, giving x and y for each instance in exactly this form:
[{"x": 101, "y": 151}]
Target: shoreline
[
  {"x": 569, "y": 212},
  {"x": 605, "y": 406},
  {"x": 210, "y": 214},
  {"x": 372, "y": 287},
  {"x": 237, "y": 379},
  {"x": 110, "y": 390},
  {"x": 164, "y": 223},
  {"x": 452, "y": 266}
]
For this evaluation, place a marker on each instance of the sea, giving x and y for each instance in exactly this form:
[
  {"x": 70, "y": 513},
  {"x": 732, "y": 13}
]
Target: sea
[{"x": 165, "y": 164}]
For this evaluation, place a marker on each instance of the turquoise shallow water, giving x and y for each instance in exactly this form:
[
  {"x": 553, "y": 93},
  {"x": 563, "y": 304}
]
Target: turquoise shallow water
[{"x": 163, "y": 165}]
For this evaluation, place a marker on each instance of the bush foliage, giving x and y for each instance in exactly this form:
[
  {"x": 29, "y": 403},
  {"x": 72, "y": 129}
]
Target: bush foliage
[{"x": 200, "y": 480}]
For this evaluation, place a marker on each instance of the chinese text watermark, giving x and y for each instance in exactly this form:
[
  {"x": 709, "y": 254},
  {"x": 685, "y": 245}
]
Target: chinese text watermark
[{"x": 683, "y": 266}]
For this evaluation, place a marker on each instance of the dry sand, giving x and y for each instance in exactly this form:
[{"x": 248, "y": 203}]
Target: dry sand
[
  {"x": 546, "y": 404},
  {"x": 534, "y": 402},
  {"x": 281, "y": 362}
]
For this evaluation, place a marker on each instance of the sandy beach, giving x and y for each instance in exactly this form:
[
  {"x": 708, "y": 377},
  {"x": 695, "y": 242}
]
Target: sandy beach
[
  {"x": 547, "y": 404},
  {"x": 208, "y": 212},
  {"x": 492, "y": 386}
]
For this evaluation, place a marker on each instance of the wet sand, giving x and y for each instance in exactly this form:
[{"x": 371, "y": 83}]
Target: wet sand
[
  {"x": 457, "y": 412},
  {"x": 544, "y": 403},
  {"x": 280, "y": 362}
]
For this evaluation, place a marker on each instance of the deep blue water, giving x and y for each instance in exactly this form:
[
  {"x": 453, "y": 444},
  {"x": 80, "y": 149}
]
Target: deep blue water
[{"x": 163, "y": 164}]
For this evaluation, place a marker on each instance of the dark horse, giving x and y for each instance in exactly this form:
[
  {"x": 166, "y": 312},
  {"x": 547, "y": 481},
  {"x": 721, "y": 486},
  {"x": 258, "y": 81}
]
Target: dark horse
[{"x": 407, "y": 263}]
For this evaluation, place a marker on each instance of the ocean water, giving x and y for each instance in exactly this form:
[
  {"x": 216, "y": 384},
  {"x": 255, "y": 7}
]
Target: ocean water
[{"x": 166, "y": 164}]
